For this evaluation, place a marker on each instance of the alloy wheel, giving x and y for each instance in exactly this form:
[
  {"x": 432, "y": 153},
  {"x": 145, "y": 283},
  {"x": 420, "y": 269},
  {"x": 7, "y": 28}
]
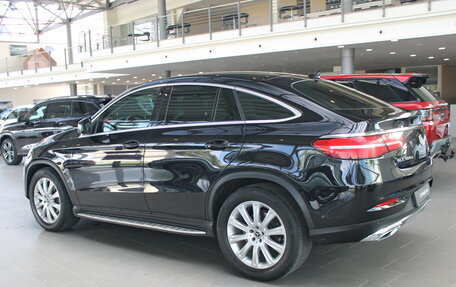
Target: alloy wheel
[
  {"x": 256, "y": 234},
  {"x": 47, "y": 200},
  {"x": 8, "y": 151}
]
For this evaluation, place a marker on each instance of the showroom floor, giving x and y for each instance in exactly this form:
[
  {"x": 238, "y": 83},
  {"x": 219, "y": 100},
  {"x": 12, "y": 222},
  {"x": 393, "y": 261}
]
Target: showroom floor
[{"x": 423, "y": 253}]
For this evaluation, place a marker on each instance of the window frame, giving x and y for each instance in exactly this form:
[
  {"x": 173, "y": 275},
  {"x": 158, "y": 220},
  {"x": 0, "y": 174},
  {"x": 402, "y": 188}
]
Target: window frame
[
  {"x": 163, "y": 100},
  {"x": 35, "y": 108}
]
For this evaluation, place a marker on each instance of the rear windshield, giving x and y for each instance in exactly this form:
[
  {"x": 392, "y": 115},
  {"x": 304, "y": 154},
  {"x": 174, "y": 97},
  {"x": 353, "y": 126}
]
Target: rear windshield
[
  {"x": 336, "y": 97},
  {"x": 390, "y": 90}
]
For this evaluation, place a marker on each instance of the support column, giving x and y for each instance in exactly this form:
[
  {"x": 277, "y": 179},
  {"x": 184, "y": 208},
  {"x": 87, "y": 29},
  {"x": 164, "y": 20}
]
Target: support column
[
  {"x": 73, "y": 89},
  {"x": 162, "y": 21},
  {"x": 347, "y": 6},
  {"x": 348, "y": 60},
  {"x": 166, "y": 74},
  {"x": 69, "y": 42}
]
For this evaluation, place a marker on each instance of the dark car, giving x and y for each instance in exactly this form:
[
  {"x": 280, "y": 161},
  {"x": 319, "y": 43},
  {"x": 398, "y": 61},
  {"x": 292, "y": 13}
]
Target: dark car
[
  {"x": 407, "y": 91},
  {"x": 45, "y": 119},
  {"x": 268, "y": 163}
]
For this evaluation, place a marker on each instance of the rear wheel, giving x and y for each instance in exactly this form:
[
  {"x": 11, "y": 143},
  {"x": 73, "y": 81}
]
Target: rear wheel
[
  {"x": 9, "y": 152},
  {"x": 261, "y": 234},
  {"x": 50, "y": 202}
]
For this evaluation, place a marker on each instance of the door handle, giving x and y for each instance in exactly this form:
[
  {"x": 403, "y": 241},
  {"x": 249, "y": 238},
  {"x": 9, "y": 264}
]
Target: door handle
[
  {"x": 130, "y": 145},
  {"x": 60, "y": 124},
  {"x": 217, "y": 144}
]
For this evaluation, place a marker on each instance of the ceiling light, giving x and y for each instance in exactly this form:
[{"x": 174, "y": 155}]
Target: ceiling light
[
  {"x": 340, "y": 46},
  {"x": 160, "y": 77},
  {"x": 103, "y": 81},
  {"x": 446, "y": 59},
  {"x": 135, "y": 77},
  {"x": 106, "y": 77},
  {"x": 153, "y": 75},
  {"x": 117, "y": 79},
  {"x": 431, "y": 57},
  {"x": 369, "y": 50},
  {"x": 179, "y": 75},
  {"x": 113, "y": 83},
  {"x": 15, "y": 88},
  {"x": 392, "y": 53},
  {"x": 413, "y": 55},
  {"x": 128, "y": 81},
  {"x": 91, "y": 80},
  {"x": 200, "y": 72},
  {"x": 442, "y": 48},
  {"x": 143, "y": 79},
  {"x": 136, "y": 83}
]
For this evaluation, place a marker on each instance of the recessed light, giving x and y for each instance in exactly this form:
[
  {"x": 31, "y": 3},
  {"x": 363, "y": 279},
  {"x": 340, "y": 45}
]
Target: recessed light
[
  {"x": 136, "y": 83},
  {"x": 91, "y": 80},
  {"x": 446, "y": 59},
  {"x": 103, "y": 81},
  {"x": 369, "y": 50},
  {"x": 394, "y": 40},
  {"x": 160, "y": 77},
  {"x": 128, "y": 81},
  {"x": 113, "y": 83},
  {"x": 392, "y": 53},
  {"x": 413, "y": 55},
  {"x": 135, "y": 77},
  {"x": 153, "y": 75},
  {"x": 442, "y": 48},
  {"x": 179, "y": 75},
  {"x": 200, "y": 72},
  {"x": 340, "y": 46},
  {"x": 431, "y": 57},
  {"x": 117, "y": 79}
]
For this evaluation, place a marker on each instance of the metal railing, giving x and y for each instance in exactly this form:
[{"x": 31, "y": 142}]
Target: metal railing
[{"x": 236, "y": 17}]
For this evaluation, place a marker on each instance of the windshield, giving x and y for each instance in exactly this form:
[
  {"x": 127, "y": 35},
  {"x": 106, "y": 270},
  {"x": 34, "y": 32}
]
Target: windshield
[{"x": 336, "y": 97}]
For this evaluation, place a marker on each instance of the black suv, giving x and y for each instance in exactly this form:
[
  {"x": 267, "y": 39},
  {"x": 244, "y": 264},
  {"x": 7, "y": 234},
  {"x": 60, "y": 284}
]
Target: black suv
[
  {"x": 268, "y": 163},
  {"x": 46, "y": 118}
]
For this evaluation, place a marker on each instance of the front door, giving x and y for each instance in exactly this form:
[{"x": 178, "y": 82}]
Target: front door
[{"x": 107, "y": 166}]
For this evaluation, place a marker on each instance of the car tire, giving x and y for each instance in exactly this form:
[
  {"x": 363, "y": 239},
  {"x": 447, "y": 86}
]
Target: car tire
[
  {"x": 277, "y": 233},
  {"x": 50, "y": 203},
  {"x": 9, "y": 152}
]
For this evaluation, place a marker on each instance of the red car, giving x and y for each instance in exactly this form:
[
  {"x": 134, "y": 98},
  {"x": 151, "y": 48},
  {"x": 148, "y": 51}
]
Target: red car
[{"x": 406, "y": 91}]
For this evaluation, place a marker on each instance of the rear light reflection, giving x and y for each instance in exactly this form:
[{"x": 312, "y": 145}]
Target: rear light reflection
[
  {"x": 387, "y": 204},
  {"x": 360, "y": 147}
]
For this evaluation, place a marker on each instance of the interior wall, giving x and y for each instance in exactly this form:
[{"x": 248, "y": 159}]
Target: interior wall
[
  {"x": 27, "y": 96},
  {"x": 448, "y": 83}
]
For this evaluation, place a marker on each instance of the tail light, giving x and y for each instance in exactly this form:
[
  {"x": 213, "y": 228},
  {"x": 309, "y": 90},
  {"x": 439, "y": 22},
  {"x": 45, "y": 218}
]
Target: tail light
[
  {"x": 387, "y": 204},
  {"x": 360, "y": 147},
  {"x": 426, "y": 114}
]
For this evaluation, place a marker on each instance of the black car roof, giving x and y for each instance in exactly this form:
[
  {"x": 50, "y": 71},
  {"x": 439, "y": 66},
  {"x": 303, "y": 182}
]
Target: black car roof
[
  {"x": 81, "y": 97},
  {"x": 255, "y": 80}
]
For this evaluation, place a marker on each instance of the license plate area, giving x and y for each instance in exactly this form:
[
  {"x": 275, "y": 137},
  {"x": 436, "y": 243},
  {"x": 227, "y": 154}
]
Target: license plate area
[{"x": 421, "y": 195}]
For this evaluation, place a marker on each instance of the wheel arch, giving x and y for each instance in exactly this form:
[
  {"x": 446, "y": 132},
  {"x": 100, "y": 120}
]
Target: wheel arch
[
  {"x": 229, "y": 183},
  {"x": 35, "y": 166}
]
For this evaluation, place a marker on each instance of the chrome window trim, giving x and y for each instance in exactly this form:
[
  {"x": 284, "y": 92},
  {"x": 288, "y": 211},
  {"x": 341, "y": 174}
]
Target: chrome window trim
[{"x": 295, "y": 111}]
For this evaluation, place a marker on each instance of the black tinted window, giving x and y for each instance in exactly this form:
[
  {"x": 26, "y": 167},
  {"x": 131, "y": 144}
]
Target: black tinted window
[
  {"x": 336, "y": 97},
  {"x": 226, "y": 107},
  {"x": 189, "y": 104},
  {"x": 37, "y": 113},
  {"x": 58, "y": 110},
  {"x": 132, "y": 111},
  {"x": 91, "y": 108},
  {"x": 258, "y": 108},
  {"x": 77, "y": 109}
]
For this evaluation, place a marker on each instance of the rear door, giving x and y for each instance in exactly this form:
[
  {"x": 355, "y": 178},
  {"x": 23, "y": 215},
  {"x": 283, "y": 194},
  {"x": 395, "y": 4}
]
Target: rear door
[{"x": 200, "y": 133}]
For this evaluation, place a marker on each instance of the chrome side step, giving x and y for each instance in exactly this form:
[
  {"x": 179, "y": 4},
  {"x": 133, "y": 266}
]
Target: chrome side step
[{"x": 141, "y": 224}]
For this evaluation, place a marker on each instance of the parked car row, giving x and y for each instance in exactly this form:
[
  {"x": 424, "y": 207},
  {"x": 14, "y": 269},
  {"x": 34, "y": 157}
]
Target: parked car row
[
  {"x": 269, "y": 163},
  {"x": 26, "y": 126}
]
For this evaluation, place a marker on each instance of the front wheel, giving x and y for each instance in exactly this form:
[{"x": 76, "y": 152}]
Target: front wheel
[
  {"x": 9, "y": 152},
  {"x": 50, "y": 203},
  {"x": 261, "y": 234}
]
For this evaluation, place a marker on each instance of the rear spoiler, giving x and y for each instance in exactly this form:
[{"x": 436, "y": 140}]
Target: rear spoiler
[{"x": 416, "y": 81}]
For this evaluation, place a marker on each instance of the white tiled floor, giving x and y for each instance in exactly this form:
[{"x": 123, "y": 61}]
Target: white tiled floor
[{"x": 423, "y": 253}]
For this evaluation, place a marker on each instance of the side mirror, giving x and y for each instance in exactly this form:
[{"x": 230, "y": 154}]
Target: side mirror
[{"x": 85, "y": 126}]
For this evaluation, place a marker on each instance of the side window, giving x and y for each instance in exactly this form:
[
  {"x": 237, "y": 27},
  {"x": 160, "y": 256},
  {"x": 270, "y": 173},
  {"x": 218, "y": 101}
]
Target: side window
[
  {"x": 77, "y": 109},
  {"x": 257, "y": 108},
  {"x": 37, "y": 113},
  {"x": 226, "y": 109},
  {"x": 191, "y": 104},
  {"x": 132, "y": 111},
  {"x": 91, "y": 108},
  {"x": 12, "y": 115},
  {"x": 58, "y": 110}
]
